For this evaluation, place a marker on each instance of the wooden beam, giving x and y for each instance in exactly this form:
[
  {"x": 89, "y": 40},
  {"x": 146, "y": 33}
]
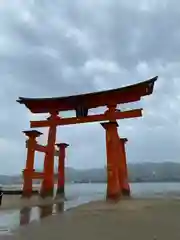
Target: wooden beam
[
  {"x": 38, "y": 175},
  {"x": 92, "y": 118},
  {"x": 131, "y": 93},
  {"x": 40, "y": 148}
]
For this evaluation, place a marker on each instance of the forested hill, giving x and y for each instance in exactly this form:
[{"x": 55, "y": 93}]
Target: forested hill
[{"x": 142, "y": 172}]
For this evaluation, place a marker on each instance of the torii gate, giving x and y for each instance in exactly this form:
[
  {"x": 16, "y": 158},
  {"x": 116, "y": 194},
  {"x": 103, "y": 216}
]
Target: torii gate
[{"x": 116, "y": 169}]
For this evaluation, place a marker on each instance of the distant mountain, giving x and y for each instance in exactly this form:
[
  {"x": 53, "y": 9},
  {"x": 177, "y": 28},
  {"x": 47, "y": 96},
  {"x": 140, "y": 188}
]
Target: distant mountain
[
  {"x": 166, "y": 171},
  {"x": 4, "y": 179},
  {"x": 139, "y": 172},
  {"x": 93, "y": 175}
]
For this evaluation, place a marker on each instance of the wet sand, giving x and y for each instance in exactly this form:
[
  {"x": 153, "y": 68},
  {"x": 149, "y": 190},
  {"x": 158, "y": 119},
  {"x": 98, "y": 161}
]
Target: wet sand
[
  {"x": 129, "y": 219},
  {"x": 16, "y": 202}
]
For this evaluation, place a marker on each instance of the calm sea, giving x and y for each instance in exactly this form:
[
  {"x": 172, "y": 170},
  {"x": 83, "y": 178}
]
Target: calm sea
[{"x": 77, "y": 194}]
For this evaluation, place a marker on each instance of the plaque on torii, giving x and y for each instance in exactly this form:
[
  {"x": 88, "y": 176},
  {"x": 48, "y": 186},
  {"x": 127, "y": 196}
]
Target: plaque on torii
[{"x": 81, "y": 104}]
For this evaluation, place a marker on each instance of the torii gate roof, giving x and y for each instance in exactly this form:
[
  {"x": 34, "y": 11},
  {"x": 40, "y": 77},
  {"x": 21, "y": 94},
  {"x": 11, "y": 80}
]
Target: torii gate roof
[{"x": 131, "y": 93}]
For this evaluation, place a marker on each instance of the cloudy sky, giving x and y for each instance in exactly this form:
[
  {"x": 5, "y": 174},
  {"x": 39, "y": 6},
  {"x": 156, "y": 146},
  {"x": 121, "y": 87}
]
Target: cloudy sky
[{"x": 64, "y": 47}]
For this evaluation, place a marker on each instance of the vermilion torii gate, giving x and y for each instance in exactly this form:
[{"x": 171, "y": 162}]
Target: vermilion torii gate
[{"x": 116, "y": 161}]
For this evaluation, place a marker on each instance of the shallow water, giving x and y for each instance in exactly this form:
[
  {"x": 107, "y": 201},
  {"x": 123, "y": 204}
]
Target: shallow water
[{"x": 77, "y": 194}]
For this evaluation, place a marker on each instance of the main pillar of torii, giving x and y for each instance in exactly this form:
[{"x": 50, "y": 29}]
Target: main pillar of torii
[
  {"x": 47, "y": 188},
  {"x": 112, "y": 150}
]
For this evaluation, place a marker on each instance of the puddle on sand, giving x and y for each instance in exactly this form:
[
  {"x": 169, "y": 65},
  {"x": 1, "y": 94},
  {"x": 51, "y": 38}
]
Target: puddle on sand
[{"x": 9, "y": 221}]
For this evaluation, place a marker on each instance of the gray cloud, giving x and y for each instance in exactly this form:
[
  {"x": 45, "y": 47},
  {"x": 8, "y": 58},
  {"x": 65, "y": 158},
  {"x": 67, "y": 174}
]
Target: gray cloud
[{"x": 74, "y": 47}]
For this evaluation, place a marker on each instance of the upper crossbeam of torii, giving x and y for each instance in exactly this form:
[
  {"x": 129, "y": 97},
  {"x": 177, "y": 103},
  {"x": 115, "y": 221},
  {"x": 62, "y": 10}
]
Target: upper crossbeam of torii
[
  {"x": 122, "y": 95},
  {"x": 82, "y": 103}
]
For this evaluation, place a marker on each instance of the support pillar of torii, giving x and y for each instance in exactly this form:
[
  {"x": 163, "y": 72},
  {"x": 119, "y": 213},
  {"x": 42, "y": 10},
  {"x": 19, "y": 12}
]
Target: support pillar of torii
[
  {"x": 124, "y": 171},
  {"x": 61, "y": 168},
  {"x": 29, "y": 170}
]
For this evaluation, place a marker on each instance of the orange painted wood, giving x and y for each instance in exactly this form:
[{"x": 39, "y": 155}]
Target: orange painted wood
[
  {"x": 112, "y": 147},
  {"x": 125, "y": 183},
  {"x": 27, "y": 173},
  {"x": 27, "y": 186},
  {"x": 47, "y": 188},
  {"x": 123, "y": 171},
  {"x": 92, "y": 118},
  {"x": 61, "y": 168},
  {"x": 38, "y": 175},
  {"x": 40, "y": 148},
  {"x": 30, "y": 154},
  {"x": 121, "y": 95}
]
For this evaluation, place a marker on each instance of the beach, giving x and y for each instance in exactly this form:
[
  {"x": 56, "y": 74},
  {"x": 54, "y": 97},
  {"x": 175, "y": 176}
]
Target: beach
[
  {"x": 128, "y": 219},
  {"x": 153, "y": 212}
]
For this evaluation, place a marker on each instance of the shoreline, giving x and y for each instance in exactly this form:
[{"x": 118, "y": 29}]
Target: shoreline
[{"x": 15, "y": 202}]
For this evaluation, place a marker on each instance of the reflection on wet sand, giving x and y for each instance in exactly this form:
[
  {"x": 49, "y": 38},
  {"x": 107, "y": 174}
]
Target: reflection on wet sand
[
  {"x": 25, "y": 214},
  {"x": 59, "y": 207},
  {"x": 43, "y": 211}
]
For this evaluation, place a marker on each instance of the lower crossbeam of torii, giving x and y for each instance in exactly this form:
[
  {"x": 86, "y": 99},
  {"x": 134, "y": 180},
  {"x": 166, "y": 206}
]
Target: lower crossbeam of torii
[{"x": 117, "y": 174}]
